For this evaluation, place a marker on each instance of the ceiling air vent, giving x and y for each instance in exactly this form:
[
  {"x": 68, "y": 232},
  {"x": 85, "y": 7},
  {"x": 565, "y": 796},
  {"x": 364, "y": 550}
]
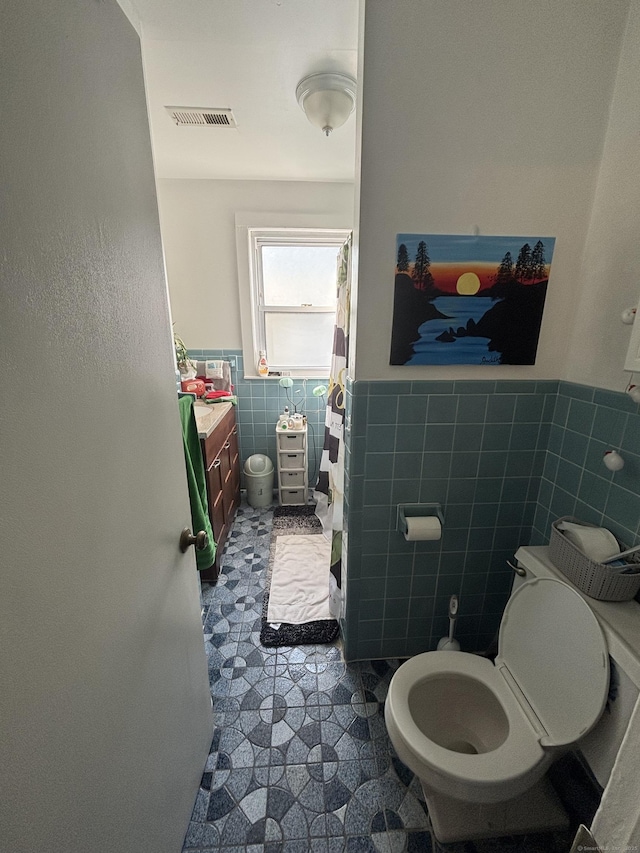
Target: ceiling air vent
[{"x": 201, "y": 117}]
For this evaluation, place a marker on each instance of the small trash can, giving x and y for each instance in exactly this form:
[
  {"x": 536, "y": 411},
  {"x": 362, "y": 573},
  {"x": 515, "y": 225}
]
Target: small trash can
[{"x": 258, "y": 472}]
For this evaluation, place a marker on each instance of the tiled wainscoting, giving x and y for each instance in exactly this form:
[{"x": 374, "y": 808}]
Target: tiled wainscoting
[
  {"x": 503, "y": 458},
  {"x": 260, "y": 401},
  {"x": 586, "y": 423}
]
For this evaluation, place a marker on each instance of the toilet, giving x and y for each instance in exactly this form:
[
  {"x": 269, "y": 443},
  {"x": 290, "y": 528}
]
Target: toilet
[{"x": 481, "y": 735}]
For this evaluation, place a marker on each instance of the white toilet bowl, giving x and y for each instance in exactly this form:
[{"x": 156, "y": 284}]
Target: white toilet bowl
[
  {"x": 454, "y": 722},
  {"x": 485, "y": 733}
]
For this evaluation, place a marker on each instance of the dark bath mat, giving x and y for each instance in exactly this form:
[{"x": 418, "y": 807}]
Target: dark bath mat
[{"x": 287, "y": 513}]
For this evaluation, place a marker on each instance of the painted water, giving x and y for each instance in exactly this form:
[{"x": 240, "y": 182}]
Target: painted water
[{"x": 458, "y": 310}]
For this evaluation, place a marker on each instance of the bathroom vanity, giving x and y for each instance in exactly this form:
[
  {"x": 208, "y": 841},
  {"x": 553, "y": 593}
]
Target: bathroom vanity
[{"x": 218, "y": 433}]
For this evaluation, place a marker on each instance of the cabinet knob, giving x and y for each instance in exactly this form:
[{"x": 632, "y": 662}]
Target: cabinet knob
[{"x": 200, "y": 540}]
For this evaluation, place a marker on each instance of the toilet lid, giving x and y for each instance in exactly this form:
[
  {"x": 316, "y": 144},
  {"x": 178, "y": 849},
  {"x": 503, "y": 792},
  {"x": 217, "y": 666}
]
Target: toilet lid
[{"x": 553, "y": 647}]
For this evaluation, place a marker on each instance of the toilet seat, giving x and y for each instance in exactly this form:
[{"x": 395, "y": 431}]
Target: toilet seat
[
  {"x": 550, "y": 677},
  {"x": 563, "y": 675}
]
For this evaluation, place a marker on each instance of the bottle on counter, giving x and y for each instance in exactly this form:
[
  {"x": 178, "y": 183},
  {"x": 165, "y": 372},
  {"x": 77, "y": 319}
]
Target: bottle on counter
[
  {"x": 263, "y": 367},
  {"x": 283, "y": 420}
]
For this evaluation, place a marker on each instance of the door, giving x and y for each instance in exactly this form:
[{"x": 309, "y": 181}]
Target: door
[{"x": 105, "y": 708}]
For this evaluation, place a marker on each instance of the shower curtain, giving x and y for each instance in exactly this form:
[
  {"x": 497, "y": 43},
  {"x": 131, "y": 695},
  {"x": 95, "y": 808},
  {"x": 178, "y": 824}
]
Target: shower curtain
[{"x": 329, "y": 488}]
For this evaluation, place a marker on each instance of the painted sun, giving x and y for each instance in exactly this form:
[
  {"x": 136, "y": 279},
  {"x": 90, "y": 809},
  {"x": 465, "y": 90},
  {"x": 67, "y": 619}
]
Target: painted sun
[{"x": 468, "y": 284}]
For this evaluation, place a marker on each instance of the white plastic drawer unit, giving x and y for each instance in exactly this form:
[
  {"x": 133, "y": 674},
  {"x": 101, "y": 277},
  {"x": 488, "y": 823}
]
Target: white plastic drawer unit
[
  {"x": 292, "y": 460},
  {"x": 291, "y": 479},
  {"x": 292, "y": 496},
  {"x": 291, "y": 441}
]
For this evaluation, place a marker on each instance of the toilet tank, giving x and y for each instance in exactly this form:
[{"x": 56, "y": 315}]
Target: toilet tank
[{"x": 620, "y": 623}]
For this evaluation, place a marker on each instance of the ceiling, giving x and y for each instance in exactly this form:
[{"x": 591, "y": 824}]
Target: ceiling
[{"x": 247, "y": 55}]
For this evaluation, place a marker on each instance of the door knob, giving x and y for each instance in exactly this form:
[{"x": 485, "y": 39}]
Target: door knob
[{"x": 200, "y": 540}]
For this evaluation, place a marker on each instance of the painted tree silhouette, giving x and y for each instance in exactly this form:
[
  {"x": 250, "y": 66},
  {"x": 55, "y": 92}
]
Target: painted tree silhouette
[
  {"x": 523, "y": 264},
  {"x": 421, "y": 275},
  {"x": 505, "y": 270},
  {"x": 403, "y": 258},
  {"x": 538, "y": 262},
  {"x": 503, "y": 279}
]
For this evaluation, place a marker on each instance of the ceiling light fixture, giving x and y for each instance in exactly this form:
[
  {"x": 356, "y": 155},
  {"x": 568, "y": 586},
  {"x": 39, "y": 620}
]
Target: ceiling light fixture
[{"x": 328, "y": 99}]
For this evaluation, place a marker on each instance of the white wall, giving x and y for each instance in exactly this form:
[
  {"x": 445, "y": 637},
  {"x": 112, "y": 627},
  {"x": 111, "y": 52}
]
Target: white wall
[
  {"x": 487, "y": 114},
  {"x": 610, "y": 271},
  {"x": 198, "y": 230}
]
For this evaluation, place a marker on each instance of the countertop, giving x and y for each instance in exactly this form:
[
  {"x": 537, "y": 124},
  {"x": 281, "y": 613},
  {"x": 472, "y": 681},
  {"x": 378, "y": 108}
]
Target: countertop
[{"x": 208, "y": 416}]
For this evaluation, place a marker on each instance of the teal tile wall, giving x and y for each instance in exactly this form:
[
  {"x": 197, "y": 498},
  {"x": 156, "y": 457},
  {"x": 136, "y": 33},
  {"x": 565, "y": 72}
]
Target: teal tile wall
[
  {"x": 587, "y": 422},
  {"x": 260, "y": 401},
  {"x": 504, "y": 459},
  {"x": 476, "y": 447}
]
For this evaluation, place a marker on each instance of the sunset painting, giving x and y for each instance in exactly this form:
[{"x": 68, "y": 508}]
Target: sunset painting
[{"x": 469, "y": 299}]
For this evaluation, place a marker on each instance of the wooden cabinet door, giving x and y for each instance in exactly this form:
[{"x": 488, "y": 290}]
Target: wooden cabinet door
[
  {"x": 234, "y": 453},
  {"x": 225, "y": 471},
  {"x": 222, "y": 462},
  {"x": 218, "y": 521},
  {"x": 214, "y": 488}
]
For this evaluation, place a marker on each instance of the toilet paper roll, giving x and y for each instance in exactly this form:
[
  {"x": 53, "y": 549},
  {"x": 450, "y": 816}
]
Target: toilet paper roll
[
  {"x": 597, "y": 543},
  {"x": 422, "y": 529}
]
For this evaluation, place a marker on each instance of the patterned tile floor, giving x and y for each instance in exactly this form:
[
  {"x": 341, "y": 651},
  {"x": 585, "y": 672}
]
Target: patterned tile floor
[{"x": 300, "y": 760}]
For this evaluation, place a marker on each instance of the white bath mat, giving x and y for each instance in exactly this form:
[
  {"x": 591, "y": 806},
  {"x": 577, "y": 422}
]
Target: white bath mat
[{"x": 299, "y": 590}]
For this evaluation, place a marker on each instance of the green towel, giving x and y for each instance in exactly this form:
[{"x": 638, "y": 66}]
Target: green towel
[{"x": 196, "y": 480}]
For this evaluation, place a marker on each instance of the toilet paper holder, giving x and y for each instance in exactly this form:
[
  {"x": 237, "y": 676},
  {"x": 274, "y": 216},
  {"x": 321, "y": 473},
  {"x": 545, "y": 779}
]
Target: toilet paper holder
[{"x": 406, "y": 511}]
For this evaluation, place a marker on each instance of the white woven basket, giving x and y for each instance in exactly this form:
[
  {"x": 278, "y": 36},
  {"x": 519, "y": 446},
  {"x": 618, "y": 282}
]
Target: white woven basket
[{"x": 594, "y": 579}]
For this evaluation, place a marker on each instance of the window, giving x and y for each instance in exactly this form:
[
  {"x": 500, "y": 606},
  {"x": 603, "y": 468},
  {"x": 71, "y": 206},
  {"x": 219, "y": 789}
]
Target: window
[{"x": 292, "y": 274}]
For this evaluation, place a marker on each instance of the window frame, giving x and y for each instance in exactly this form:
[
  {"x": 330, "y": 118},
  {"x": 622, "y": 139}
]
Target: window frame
[{"x": 251, "y": 238}]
